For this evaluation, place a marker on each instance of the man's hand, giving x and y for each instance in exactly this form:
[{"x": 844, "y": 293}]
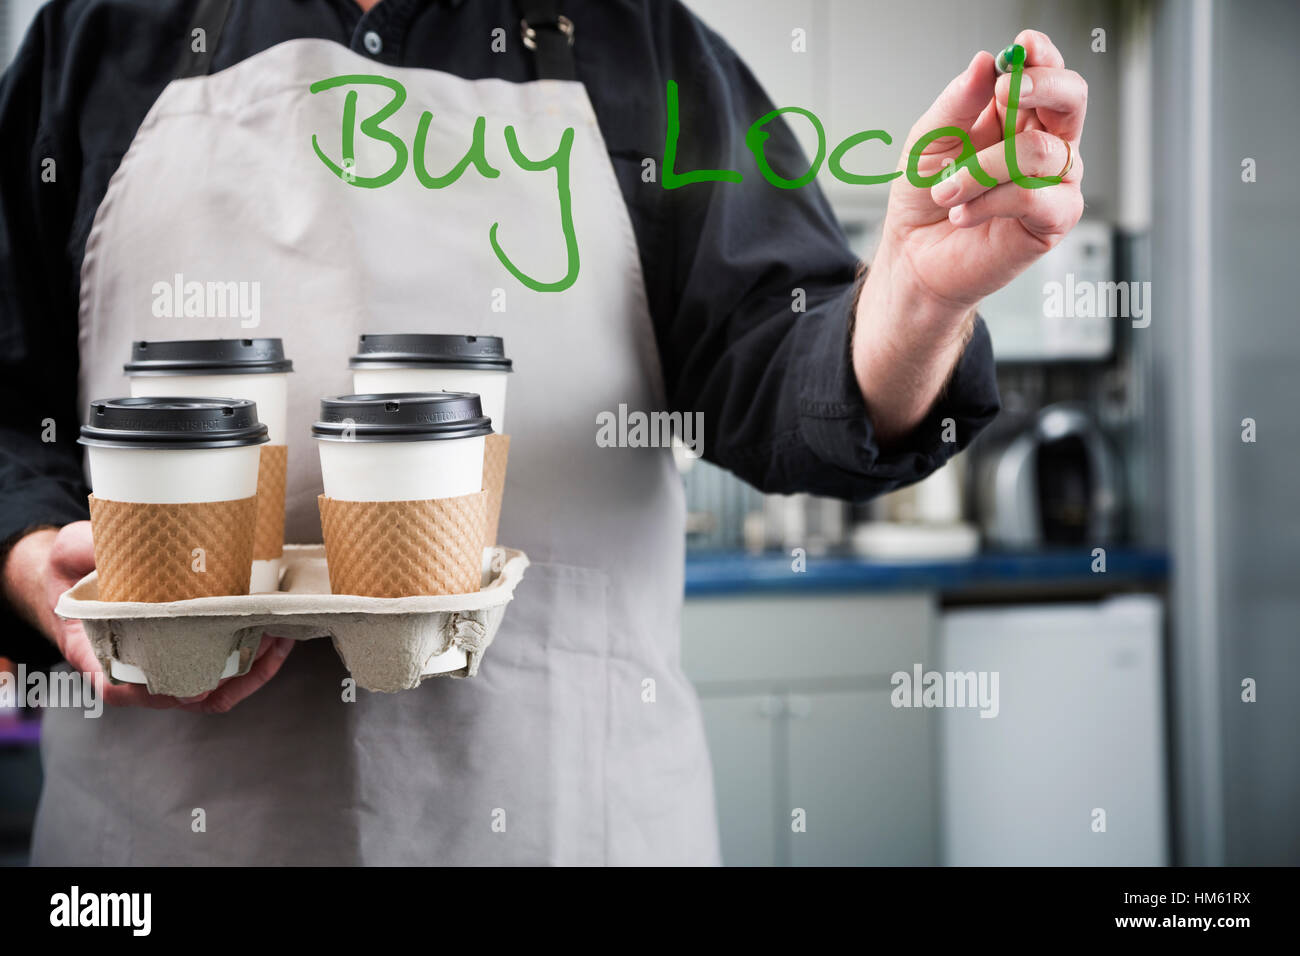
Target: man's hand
[
  {"x": 944, "y": 248},
  {"x": 44, "y": 564}
]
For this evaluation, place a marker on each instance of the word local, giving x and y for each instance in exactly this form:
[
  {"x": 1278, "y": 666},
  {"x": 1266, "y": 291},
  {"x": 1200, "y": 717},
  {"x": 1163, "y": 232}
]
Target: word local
[{"x": 756, "y": 139}]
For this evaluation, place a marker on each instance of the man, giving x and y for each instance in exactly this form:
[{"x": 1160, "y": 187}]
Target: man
[{"x": 201, "y": 139}]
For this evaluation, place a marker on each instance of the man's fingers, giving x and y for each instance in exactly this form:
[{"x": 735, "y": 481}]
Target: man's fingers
[
  {"x": 1056, "y": 89},
  {"x": 962, "y": 101},
  {"x": 76, "y": 648},
  {"x": 1060, "y": 97},
  {"x": 72, "y": 555},
  {"x": 270, "y": 657},
  {"x": 77, "y": 651},
  {"x": 1049, "y": 213},
  {"x": 988, "y": 128},
  {"x": 1038, "y": 154},
  {"x": 1039, "y": 49},
  {"x": 81, "y": 656}
]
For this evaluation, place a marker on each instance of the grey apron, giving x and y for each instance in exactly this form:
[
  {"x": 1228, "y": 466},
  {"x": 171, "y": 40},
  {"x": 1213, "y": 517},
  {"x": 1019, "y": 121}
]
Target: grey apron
[{"x": 553, "y": 754}]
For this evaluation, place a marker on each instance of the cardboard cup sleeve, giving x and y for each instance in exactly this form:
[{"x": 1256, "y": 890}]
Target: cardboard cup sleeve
[
  {"x": 172, "y": 552},
  {"x": 496, "y": 449},
  {"x": 394, "y": 549},
  {"x": 268, "y": 530}
]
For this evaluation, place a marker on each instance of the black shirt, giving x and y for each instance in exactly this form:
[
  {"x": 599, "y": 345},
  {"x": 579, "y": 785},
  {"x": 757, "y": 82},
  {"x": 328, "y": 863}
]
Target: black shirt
[{"x": 781, "y": 404}]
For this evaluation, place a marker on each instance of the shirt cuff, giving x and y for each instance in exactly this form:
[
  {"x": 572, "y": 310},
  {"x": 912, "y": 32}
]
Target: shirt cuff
[{"x": 834, "y": 420}]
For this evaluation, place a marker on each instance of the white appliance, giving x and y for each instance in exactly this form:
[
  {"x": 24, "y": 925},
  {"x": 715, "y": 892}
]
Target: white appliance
[{"x": 1079, "y": 732}]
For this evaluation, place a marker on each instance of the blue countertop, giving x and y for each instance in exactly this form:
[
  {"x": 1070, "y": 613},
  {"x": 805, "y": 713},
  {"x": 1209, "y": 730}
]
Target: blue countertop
[{"x": 710, "y": 574}]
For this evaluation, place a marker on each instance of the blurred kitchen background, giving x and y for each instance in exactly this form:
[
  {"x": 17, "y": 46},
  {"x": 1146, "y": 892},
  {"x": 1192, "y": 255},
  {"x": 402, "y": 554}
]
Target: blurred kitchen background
[
  {"x": 1121, "y": 670},
  {"x": 1120, "y": 691}
]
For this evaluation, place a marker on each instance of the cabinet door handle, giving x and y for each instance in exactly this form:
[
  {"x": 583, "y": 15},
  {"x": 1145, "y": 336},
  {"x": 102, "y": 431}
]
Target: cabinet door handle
[{"x": 798, "y": 706}]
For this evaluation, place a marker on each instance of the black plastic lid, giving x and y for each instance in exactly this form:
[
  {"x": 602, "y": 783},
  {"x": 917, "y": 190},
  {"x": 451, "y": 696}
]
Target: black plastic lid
[
  {"x": 420, "y": 350},
  {"x": 208, "y": 357},
  {"x": 401, "y": 416},
  {"x": 173, "y": 423}
]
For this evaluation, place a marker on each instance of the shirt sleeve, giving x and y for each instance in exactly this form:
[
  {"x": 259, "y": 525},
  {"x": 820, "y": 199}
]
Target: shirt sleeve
[
  {"x": 41, "y": 481},
  {"x": 779, "y": 399}
]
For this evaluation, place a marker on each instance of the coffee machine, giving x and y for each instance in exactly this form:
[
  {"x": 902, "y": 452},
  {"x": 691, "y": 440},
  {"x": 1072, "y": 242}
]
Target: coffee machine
[{"x": 1056, "y": 483}]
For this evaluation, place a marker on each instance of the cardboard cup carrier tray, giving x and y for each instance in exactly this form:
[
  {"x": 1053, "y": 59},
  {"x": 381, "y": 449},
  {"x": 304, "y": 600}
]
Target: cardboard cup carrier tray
[{"x": 184, "y": 648}]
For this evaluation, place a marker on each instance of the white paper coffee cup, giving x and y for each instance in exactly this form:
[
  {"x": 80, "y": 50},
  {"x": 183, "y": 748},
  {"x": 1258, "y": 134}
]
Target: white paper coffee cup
[
  {"x": 172, "y": 450},
  {"x": 419, "y": 362},
  {"x": 158, "y": 476},
  {"x": 269, "y": 391},
  {"x": 253, "y": 369},
  {"x": 403, "y": 447},
  {"x": 489, "y": 386},
  {"x": 401, "y": 471}
]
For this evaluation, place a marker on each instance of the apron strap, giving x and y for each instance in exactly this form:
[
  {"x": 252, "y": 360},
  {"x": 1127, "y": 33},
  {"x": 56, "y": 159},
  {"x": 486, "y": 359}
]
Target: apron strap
[
  {"x": 549, "y": 34},
  {"x": 210, "y": 17}
]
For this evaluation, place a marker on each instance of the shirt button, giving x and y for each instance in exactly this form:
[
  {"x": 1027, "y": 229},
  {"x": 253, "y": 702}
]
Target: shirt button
[{"x": 373, "y": 43}]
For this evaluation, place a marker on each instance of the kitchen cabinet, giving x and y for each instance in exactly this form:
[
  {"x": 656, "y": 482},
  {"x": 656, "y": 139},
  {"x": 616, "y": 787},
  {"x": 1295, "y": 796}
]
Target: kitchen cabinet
[
  {"x": 1077, "y": 743},
  {"x": 795, "y": 694},
  {"x": 741, "y": 732},
  {"x": 853, "y": 763}
]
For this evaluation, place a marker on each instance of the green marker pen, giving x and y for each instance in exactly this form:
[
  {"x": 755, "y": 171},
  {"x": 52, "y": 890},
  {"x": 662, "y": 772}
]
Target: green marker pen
[
  {"x": 1011, "y": 57},
  {"x": 1012, "y": 60}
]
